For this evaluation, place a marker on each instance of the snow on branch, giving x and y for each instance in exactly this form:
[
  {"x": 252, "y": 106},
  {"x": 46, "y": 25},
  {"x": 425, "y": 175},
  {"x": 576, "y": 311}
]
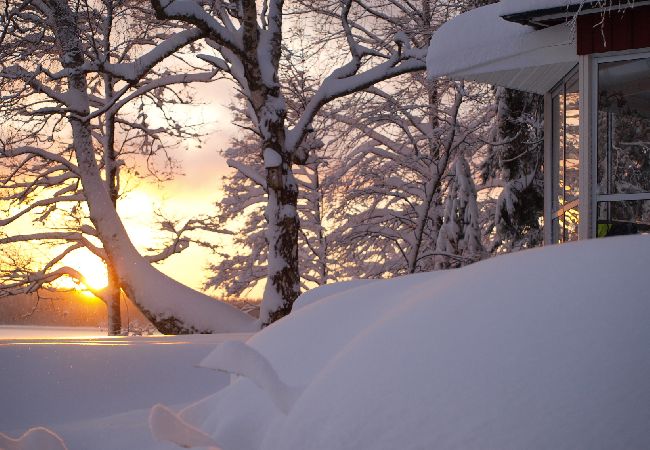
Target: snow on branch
[
  {"x": 248, "y": 172},
  {"x": 191, "y": 12},
  {"x": 44, "y": 154},
  {"x": 16, "y": 72},
  {"x": 118, "y": 101},
  {"x": 42, "y": 202},
  {"x": 134, "y": 71},
  {"x": 345, "y": 81}
]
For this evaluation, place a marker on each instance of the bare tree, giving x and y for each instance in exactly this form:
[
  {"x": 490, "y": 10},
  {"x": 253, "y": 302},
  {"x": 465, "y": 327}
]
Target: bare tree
[
  {"x": 241, "y": 210},
  {"x": 249, "y": 38},
  {"x": 407, "y": 137},
  {"x": 63, "y": 90}
]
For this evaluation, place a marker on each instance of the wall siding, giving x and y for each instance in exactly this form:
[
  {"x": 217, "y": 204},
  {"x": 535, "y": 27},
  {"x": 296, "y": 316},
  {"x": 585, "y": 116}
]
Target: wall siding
[{"x": 614, "y": 31}]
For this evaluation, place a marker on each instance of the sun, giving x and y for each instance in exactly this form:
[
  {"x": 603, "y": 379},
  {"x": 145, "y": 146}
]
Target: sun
[{"x": 90, "y": 266}]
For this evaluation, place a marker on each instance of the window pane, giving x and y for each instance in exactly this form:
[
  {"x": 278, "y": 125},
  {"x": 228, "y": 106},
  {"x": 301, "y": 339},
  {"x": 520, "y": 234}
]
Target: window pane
[
  {"x": 627, "y": 217},
  {"x": 558, "y": 151},
  {"x": 566, "y": 143},
  {"x": 624, "y": 127},
  {"x": 572, "y": 141},
  {"x": 570, "y": 223},
  {"x": 565, "y": 227}
]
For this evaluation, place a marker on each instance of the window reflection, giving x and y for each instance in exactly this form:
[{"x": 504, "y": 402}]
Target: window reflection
[
  {"x": 624, "y": 127},
  {"x": 623, "y": 155},
  {"x": 565, "y": 160},
  {"x": 624, "y": 217}
]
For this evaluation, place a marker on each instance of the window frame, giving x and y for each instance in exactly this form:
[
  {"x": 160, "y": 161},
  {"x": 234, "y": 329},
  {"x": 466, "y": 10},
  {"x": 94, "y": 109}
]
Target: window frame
[
  {"x": 592, "y": 76},
  {"x": 552, "y": 213}
]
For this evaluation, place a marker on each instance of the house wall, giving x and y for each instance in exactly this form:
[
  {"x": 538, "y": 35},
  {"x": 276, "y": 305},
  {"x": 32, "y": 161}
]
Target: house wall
[{"x": 618, "y": 30}]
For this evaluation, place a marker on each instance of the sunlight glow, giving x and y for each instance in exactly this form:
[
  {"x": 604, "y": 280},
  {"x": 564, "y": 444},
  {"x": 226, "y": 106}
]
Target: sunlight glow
[{"x": 90, "y": 266}]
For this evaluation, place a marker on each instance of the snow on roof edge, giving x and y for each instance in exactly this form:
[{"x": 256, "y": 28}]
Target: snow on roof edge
[
  {"x": 480, "y": 45},
  {"x": 508, "y": 7}
]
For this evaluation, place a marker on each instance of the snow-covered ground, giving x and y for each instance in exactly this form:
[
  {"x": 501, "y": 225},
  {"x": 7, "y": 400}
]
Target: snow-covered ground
[
  {"x": 34, "y": 332},
  {"x": 96, "y": 392},
  {"x": 543, "y": 349}
]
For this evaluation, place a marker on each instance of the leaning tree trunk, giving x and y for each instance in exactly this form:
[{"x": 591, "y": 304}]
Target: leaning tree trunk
[{"x": 171, "y": 306}]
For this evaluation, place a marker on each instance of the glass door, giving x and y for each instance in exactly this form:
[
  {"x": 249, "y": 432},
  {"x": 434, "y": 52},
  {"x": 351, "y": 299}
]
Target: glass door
[{"x": 623, "y": 146}]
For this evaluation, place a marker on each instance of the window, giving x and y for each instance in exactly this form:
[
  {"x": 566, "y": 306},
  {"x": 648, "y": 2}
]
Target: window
[
  {"x": 623, "y": 147},
  {"x": 565, "y": 159}
]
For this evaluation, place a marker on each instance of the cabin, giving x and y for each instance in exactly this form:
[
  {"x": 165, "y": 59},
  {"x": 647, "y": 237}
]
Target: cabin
[{"x": 591, "y": 61}]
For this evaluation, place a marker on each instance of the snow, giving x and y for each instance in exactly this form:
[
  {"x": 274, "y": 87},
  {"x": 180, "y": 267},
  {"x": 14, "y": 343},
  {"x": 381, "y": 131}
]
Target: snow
[
  {"x": 325, "y": 291},
  {"x": 34, "y": 438},
  {"x": 481, "y": 46},
  {"x": 96, "y": 393},
  {"x": 519, "y": 6},
  {"x": 272, "y": 158},
  {"x": 167, "y": 426},
  {"x": 540, "y": 349},
  {"x": 34, "y": 332},
  {"x": 238, "y": 358}
]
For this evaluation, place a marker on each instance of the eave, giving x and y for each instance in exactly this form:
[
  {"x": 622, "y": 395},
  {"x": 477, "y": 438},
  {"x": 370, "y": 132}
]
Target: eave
[{"x": 546, "y": 17}]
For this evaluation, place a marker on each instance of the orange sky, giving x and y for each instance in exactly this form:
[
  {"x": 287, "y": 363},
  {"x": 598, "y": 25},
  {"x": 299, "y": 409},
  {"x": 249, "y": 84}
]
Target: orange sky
[{"x": 190, "y": 194}]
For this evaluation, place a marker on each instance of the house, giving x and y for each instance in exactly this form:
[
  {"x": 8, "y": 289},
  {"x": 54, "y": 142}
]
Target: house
[{"x": 591, "y": 61}]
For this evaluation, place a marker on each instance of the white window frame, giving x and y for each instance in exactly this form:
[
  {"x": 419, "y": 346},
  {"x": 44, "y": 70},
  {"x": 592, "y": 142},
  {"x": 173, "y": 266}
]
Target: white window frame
[
  {"x": 589, "y": 68},
  {"x": 549, "y": 176}
]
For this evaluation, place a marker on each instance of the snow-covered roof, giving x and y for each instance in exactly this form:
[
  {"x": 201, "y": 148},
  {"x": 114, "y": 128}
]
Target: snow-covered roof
[
  {"x": 520, "y": 6},
  {"x": 480, "y": 45}
]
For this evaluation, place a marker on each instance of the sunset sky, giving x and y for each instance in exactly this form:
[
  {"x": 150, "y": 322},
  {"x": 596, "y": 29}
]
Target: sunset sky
[{"x": 191, "y": 193}]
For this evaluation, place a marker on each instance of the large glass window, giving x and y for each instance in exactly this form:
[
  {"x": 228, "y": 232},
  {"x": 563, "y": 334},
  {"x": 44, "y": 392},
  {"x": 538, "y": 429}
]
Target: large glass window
[
  {"x": 565, "y": 160},
  {"x": 623, "y": 156}
]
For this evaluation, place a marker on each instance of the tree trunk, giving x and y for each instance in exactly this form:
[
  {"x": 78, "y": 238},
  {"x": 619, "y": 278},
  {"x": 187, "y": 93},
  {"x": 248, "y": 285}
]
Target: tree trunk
[
  {"x": 110, "y": 170},
  {"x": 283, "y": 282},
  {"x": 112, "y": 299},
  {"x": 172, "y": 307}
]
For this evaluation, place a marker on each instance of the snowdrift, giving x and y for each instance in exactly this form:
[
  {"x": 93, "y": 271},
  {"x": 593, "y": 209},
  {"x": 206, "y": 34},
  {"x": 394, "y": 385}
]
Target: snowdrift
[{"x": 542, "y": 349}]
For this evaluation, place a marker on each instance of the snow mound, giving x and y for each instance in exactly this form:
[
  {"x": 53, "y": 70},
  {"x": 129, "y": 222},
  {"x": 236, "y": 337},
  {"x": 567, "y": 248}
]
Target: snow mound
[
  {"x": 38, "y": 438},
  {"x": 238, "y": 358},
  {"x": 541, "y": 349},
  {"x": 167, "y": 426},
  {"x": 325, "y": 291}
]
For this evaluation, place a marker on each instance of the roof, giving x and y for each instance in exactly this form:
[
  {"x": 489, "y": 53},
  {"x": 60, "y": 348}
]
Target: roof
[
  {"x": 482, "y": 46},
  {"x": 512, "y": 7},
  {"x": 543, "y": 13}
]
